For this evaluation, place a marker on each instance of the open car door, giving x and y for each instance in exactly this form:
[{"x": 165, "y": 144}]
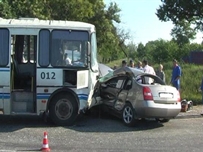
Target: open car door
[{"x": 109, "y": 91}]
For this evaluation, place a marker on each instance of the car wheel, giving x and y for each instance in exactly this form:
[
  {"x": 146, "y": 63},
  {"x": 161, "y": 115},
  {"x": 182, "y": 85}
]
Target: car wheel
[
  {"x": 162, "y": 120},
  {"x": 128, "y": 115},
  {"x": 63, "y": 109}
]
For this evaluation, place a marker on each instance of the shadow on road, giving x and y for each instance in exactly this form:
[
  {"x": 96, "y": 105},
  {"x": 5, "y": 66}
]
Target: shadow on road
[
  {"x": 109, "y": 123},
  {"x": 84, "y": 123},
  {"x": 13, "y": 123}
]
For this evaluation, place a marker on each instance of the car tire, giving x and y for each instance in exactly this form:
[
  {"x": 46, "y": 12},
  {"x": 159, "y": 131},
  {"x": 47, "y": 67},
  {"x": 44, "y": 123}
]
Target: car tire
[
  {"x": 162, "y": 120},
  {"x": 63, "y": 109},
  {"x": 128, "y": 115}
]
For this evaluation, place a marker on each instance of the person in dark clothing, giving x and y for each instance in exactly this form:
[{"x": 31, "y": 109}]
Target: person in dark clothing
[
  {"x": 124, "y": 63},
  {"x": 160, "y": 73},
  {"x": 131, "y": 64},
  {"x": 201, "y": 88},
  {"x": 176, "y": 74}
]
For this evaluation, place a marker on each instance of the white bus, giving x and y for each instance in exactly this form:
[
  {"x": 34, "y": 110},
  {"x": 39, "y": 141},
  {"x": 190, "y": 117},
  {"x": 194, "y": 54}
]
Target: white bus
[{"x": 35, "y": 77}]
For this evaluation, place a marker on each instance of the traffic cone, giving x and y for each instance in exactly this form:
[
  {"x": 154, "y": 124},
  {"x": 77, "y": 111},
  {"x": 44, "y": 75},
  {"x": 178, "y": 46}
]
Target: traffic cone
[{"x": 45, "y": 145}]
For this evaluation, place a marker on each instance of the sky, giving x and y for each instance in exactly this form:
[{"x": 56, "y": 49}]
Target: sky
[{"x": 139, "y": 19}]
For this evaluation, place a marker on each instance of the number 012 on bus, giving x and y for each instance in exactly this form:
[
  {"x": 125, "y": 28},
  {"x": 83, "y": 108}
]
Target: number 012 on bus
[{"x": 47, "y": 67}]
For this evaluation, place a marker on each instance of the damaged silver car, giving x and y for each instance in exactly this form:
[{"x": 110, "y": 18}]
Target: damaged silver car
[{"x": 132, "y": 94}]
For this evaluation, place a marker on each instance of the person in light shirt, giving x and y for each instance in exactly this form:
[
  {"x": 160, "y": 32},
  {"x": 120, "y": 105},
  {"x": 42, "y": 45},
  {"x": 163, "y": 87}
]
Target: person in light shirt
[
  {"x": 67, "y": 59},
  {"x": 148, "y": 69}
]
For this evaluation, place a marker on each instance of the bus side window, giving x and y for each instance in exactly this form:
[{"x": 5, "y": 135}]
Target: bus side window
[
  {"x": 4, "y": 47},
  {"x": 44, "y": 42}
]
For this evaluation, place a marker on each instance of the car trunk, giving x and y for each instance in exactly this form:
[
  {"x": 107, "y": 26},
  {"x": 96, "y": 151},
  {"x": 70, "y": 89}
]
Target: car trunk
[{"x": 164, "y": 94}]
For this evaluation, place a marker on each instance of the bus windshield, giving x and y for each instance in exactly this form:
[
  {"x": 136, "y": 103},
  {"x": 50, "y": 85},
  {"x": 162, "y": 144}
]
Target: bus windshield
[{"x": 69, "y": 48}]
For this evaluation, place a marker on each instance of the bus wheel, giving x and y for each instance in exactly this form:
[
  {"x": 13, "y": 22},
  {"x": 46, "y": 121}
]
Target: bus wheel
[{"x": 63, "y": 109}]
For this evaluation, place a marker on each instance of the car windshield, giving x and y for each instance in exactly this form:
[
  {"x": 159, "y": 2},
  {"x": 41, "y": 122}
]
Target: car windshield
[
  {"x": 106, "y": 77},
  {"x": 104, "y": 69}
]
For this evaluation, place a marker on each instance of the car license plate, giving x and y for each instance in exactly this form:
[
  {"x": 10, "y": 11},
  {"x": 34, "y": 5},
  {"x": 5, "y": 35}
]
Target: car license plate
[{"x": 165, "y": 95}]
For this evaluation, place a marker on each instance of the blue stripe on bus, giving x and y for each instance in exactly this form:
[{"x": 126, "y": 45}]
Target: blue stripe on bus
[
  {"x": 4, "y": 70},
  {"x": 5, "y": 96},
  {"x": 83, "y": 96},
  {"x": 41, "y": 96},
  {"x": 46, "y": 96}
]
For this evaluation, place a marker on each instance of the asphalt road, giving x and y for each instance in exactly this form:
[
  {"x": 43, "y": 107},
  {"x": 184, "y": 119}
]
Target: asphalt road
[{"x": 101, "y": 134}]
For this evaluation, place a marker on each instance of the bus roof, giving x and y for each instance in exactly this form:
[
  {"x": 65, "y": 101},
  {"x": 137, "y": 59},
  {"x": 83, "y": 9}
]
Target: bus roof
[{"x": 37, "y": 23}]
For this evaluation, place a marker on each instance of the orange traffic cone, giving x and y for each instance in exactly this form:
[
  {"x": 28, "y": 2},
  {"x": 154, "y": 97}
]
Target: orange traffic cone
[{"x": 45, "y": 146}]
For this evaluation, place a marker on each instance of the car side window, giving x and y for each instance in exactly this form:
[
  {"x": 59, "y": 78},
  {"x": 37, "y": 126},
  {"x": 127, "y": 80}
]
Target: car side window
[
  {"x": 157, "y": 81},
  {"x": 128, "y": 84}
]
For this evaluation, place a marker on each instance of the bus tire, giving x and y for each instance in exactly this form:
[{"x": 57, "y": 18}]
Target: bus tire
[{"x": 63, "y": 109}]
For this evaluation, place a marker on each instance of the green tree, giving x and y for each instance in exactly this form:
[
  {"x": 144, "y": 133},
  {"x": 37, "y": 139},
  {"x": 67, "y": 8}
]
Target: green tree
[
  {"x": 182, "y": 33},
  {"x": 178, "y": 10},
  {"x": 161, "y": 52},
  {"x": 150, "y": 47},
  {"x": 111, "y": 38},
  {"x": 49, "y": 9},
  {"x": 5, "y": 9},
  {"x": 187, "y": 48},
  {"x": 141, "y": 51},
  {"x": 131, "y": 50},
  {"x": 25, "y": 8},
  {"x": 195, "y": 46},
  {"x": 108, "y": 35}
]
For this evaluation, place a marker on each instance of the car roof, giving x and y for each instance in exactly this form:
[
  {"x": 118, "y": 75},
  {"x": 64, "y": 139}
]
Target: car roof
[{"x": 127, "y": 71}]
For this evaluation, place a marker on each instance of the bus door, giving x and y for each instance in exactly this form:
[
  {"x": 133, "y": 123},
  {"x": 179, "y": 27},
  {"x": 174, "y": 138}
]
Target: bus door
[
  {"x": 4, "y": 70},
  {"x": 23, "y": 73}
]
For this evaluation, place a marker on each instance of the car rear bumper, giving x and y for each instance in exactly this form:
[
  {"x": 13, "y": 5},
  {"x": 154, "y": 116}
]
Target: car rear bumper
[{"x": 149, "y": 109}]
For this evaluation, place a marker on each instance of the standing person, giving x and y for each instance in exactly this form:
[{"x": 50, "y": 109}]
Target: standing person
[
  {"x": 148, "y": 69},
  {"x": 202, "y": 94},
  {"x": 176, "y": 74},
  {"x": 124, "y": 63},
  {"x": 160, "y": 73},
  {"x": 139, "y": 65},
  {"x": 131, "y": 64}
]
